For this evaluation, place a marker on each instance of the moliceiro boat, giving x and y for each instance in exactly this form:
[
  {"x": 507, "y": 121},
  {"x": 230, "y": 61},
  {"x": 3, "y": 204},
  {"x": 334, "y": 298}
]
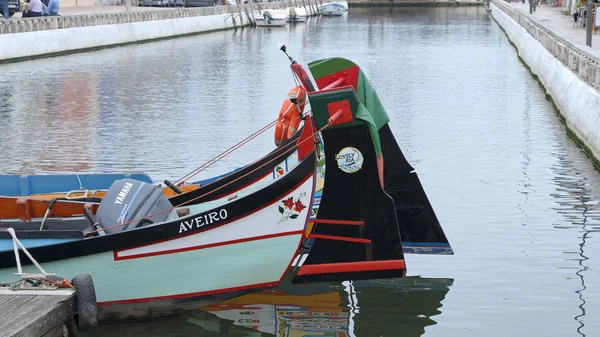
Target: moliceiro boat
[
  {"x": 420, "y": 229},
  {"x": 149, "y": 257}
]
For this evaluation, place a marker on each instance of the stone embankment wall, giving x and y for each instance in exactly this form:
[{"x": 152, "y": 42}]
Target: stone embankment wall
[
  {"x": 570, "y": 73},
  {"x": 34, "y": 37}
]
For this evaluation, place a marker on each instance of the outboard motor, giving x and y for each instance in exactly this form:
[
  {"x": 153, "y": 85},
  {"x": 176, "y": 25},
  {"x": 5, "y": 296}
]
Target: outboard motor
[
  {"x": 267, "y": 16},
  {"x": 130, "y": 199}
]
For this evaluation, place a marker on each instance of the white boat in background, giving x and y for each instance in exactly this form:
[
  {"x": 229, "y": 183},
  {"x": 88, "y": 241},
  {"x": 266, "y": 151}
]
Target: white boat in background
[
  {"x": 337, "y": 8},
  {"x": 297, "y": 14},
  {"x": 272, "y": 18}
]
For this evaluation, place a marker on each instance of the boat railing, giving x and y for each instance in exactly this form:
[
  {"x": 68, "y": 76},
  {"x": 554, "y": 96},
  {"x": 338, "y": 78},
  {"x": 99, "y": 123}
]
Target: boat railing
[{"x": 16, "y": 245}]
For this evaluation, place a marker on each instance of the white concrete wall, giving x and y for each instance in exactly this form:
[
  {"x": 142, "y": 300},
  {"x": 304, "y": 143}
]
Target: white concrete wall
[
  {"x": 30, "y": 37},
  {"x": 575, "y": 97},
  {"x": 19, "y": 45}
]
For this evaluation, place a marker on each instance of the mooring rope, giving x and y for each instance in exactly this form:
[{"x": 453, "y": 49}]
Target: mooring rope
[
  {"x": 226, "y": 152},
  {"x": 295, "y": 145},
  {"x": 230, "y": 150}
]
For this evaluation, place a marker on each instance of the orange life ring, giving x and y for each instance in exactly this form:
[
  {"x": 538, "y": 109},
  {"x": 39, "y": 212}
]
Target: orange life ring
[{"x": 289, "y": 117}]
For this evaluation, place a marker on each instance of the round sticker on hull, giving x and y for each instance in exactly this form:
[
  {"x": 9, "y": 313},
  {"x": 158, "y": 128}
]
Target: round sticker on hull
[{"x": 349, "y": 159}]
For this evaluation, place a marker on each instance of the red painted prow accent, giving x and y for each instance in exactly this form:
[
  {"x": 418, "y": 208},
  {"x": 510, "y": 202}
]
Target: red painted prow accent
[
  {"x": 338, "y": 238},
  {"x": 346, "y": 77},
  {"x": 335, "y": 84},
  {"x": 340, "y": 112},
  {"x": 305, "y": 147},
  {"x": 339, "y": 222},
  {"x": 348, "y": 267},
  {"x": 303, "y": 77},
  {"x": 380, "y": 168}
]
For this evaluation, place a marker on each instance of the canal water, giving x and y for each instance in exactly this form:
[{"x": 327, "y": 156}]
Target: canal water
[{"x": 518, "y": 199}]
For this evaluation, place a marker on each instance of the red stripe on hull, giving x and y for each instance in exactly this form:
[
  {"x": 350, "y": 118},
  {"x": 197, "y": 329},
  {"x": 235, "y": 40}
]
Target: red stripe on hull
[
  {"x": 339, "y": 222},
  {"x": 224, "y": 223},
  {"x": 346, "y": 267},
  {"x": 338, "y": 238},
  {"x": 210, "y": 245},
  {"x": 204, "y": 293}
]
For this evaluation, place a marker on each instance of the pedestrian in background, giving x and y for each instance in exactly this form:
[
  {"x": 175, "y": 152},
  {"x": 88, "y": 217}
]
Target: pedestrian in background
[
  {"x": 52, "y": 7},
  {"x": 34, "y": 8},
  {"x": 4, "y": 8}
]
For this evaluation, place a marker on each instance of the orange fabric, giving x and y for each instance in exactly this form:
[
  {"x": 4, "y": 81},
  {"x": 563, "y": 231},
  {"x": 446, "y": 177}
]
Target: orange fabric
[{"x": 289, "y": 116}]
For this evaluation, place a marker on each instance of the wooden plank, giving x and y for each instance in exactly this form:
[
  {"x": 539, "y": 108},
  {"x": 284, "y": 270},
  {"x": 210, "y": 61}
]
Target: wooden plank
[
  {"x": 19, "y": 314},
  {"x": 57, "y": 315},
  {"x": 13, "y": 304},
  {"x": 4, "y": 298},
  {"x": 50, "y": 312},
  {"x": 56, "y": 332}
]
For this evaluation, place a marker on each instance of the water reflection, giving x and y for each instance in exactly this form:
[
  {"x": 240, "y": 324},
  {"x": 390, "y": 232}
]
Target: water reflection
[
  {"x": 577, "y": 197},
  {"x": 397, "y": 307}
]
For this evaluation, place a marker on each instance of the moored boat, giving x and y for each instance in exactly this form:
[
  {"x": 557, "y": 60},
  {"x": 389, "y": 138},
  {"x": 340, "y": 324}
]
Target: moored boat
[
  {"x": 337, "y": 8},
  {"x": 420, "y": 229},
  {"x": 149, "y": 258},
  {"x": 297, "y": 14},
  {"x": 30, "y": 184},
  {"x": 272, "y": 18},
  {"x": 154, "y": 256}
]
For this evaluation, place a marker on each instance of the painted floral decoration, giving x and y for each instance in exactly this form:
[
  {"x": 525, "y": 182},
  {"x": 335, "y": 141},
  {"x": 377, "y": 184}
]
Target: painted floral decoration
[
  {"x": 291, "y": 208},
  {"x": 279, "y": 171}
]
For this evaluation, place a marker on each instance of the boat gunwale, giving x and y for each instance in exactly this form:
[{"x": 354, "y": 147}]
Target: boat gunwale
[{"x": 170, "y": 230}]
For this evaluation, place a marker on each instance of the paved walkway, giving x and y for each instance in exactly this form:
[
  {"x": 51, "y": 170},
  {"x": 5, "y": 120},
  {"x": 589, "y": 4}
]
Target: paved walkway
[
  {"x": 82, "y": 10},
  {"x": 560, "y": 24}
]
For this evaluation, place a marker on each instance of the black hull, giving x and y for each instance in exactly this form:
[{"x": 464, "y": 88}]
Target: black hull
[
  {"x": 354, "y": 196},
  {"x": 420, "y": 229}
]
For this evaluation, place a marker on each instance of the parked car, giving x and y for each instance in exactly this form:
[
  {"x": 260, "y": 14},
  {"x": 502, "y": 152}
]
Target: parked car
[
  {"x": 201, "y": 3},
  {"x": 162, "y": 3},
  {"x": 13, "y": 7}
]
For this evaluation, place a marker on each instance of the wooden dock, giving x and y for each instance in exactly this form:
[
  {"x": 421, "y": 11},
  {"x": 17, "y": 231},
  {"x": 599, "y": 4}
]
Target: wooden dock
[{"x": 33, "y": 313}]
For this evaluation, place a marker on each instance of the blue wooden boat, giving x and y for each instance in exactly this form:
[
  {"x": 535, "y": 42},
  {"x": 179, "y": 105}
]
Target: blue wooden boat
[{"x": 30, "y": 184}]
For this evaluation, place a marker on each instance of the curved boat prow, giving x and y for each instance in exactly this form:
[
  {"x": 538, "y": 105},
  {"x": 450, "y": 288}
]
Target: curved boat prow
[
  {"x": 356, "y": 232},
  {"x": 419, "y": 227}
]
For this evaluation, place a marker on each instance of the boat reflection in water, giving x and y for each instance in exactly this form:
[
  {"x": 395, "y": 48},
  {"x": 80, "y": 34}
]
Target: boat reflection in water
[
  {"x": 352, "y": 308},
  {"x": 393, "y": 307}
]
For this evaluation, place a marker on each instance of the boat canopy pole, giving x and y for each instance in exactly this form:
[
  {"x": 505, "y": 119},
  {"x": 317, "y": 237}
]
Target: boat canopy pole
[{"x": 335, "y": 84}]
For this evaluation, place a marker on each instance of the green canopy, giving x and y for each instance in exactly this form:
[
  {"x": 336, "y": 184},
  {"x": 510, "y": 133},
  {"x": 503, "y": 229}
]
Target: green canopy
[{"x": 368, "y": 107}]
